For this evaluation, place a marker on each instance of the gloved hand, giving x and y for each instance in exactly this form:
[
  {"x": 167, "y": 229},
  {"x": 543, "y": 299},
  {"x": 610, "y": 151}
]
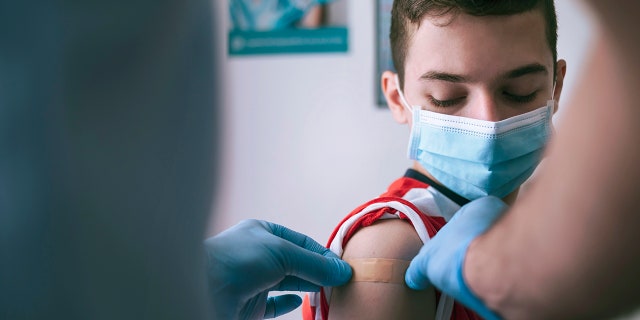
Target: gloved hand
[
  {"x": 439, "y": 262},
  {"x": 254, "y": 257}
]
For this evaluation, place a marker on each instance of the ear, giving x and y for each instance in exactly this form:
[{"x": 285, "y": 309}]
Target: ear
[
  {"x": 390, "y": 90},
  {"x": 561, "y": 71}
]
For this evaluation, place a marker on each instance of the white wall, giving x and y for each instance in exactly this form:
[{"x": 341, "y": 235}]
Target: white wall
[{"x": 304, "y": 142}]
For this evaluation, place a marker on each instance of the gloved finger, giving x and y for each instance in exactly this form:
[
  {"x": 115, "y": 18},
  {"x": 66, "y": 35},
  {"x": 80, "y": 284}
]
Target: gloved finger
[
  {"x": 316, "y": 268},
  {"x": 279, "y": 305},
  {"x": 291, "y": 283},
  {"x": 308, "y": 260},
  {"x": 416, "y": 275},
  {"x": 298, "y": 239}
]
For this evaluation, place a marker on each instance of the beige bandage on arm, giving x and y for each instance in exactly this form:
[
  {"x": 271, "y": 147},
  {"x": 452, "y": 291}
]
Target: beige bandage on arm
[{"x": 378, "y": 270}]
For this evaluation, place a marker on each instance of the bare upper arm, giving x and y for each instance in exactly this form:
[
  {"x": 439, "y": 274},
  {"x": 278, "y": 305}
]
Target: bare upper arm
[{"x": 389, "y": 239}]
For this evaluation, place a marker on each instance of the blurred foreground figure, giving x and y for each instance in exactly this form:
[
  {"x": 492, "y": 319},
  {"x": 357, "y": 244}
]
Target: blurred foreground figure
[{"x": 106, "y": 137}]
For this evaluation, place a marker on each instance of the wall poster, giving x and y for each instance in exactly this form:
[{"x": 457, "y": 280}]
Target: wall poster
[
  {"x": 383, "y": 53},
  {"x": 287, "y": 26}
]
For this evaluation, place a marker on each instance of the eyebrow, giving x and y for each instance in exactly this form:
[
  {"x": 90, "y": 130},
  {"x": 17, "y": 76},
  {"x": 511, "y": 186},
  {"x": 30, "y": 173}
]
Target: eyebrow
[
  {"x": 443, "y": 76},
  {"x": 526, "y": 70},
  {"x": 456, "y": 78}
]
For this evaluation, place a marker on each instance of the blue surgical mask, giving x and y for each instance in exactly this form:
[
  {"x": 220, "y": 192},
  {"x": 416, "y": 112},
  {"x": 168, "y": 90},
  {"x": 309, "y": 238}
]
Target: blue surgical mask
[{"x": 476, "y": 158}]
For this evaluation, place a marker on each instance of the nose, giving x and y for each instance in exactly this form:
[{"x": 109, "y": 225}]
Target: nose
[{"x": 486, "y": 108}]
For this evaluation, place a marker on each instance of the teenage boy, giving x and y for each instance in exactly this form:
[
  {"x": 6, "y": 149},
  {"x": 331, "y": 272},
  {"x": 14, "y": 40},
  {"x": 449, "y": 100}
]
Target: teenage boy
[{"x": 478, "y": 83}]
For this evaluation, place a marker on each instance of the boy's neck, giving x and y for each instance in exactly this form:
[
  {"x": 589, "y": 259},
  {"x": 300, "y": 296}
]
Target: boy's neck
[{"x": 509, "y": 199}]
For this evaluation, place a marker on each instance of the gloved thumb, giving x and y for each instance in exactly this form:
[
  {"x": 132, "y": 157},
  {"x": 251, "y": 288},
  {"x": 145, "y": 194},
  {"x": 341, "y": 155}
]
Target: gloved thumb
[{"x": 277, "y": 306}]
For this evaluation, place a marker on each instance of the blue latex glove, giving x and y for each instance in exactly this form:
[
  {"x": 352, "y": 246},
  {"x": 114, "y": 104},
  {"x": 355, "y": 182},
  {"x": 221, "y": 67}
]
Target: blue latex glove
[
  {"x": 254, "y": 257},
  {"x": 439, "y": 262}
]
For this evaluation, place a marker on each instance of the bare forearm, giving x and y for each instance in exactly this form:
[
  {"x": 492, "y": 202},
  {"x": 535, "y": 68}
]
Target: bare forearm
[{"x": 569, "y": 247}]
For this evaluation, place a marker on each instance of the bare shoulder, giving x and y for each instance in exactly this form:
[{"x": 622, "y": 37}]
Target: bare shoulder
[
  {"x": 386, "y": 239},
  {"x": 392, "y": 239}
]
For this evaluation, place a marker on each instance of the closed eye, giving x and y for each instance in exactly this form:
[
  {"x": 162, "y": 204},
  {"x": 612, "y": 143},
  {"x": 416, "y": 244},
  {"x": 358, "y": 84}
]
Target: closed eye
[
  {"x": 445, "y": 103},
  {"x": 519, "y": 98}
]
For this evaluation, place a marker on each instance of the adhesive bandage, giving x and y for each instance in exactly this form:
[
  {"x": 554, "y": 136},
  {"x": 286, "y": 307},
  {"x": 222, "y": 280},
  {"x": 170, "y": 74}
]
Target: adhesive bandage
[{"x": 378, "y": 270}]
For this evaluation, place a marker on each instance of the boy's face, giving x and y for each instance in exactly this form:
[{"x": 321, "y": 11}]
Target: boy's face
[{"x": 488, "y": 68}]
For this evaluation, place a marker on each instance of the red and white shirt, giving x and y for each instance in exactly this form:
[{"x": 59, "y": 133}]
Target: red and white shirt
[{"x": 414, "y": 198}]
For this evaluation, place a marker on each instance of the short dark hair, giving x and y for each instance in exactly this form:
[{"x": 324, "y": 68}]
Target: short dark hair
[{"x": 410, "y": 12}]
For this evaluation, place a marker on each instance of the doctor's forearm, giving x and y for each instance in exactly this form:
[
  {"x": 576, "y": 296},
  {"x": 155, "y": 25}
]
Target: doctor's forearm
[{"x": 568, "y": 248}]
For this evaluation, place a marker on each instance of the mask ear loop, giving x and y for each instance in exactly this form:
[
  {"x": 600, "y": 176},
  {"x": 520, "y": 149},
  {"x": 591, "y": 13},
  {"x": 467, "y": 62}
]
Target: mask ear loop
[
  {"x": 552, "y": 103},
  {"x": 402, "y": 98},
  {"x": 414, "y": 136}
]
